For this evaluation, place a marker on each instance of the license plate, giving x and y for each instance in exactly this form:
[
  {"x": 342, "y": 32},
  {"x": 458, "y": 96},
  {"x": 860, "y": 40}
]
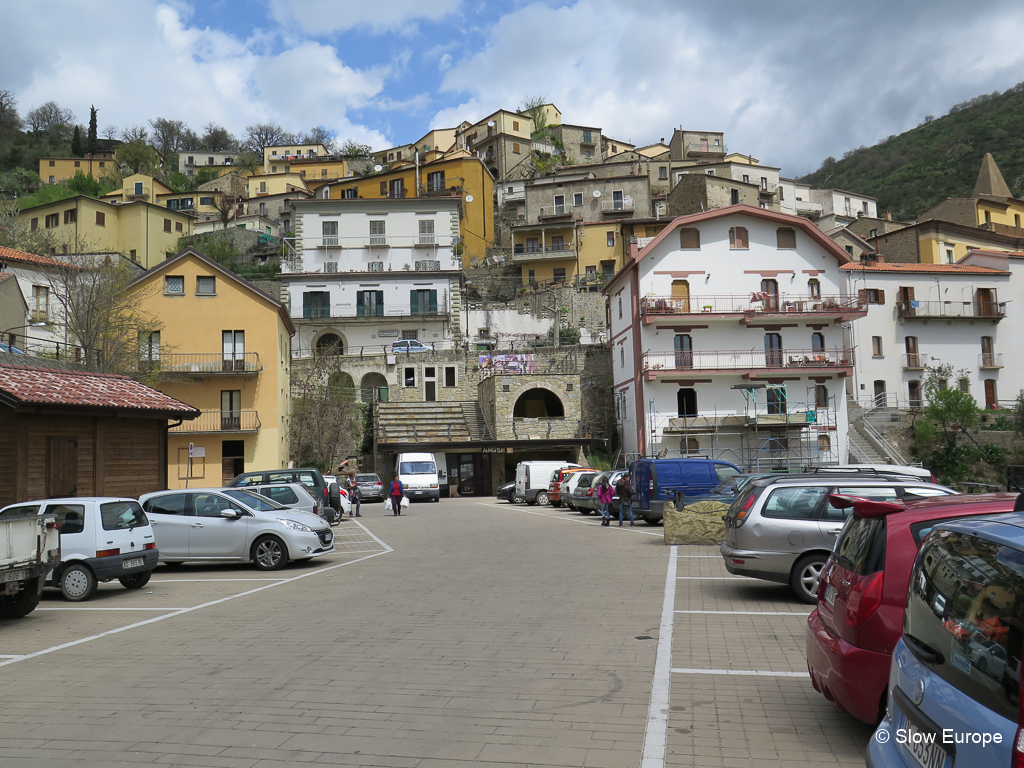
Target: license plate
[
  {"x": 133, "y": 563},
  {"x": 923, "y": 747},
  {"x": 13, "y": 576},
  {"x": 830, "y": 594}
]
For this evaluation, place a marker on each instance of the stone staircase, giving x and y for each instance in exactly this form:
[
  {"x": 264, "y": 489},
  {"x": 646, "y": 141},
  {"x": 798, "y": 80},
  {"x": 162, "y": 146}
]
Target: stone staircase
[
  {"x": 448, "y": 422},
  {"x": 863, "y": 448}
]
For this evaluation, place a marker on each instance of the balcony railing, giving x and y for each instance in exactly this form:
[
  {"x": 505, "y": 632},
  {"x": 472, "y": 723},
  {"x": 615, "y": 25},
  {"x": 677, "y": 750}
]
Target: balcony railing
[
  {"x": 206, "y": 363},
  {"x": 736, "y": 304},
  {"x": 705, "y": 147},
  {"x": 377, "y": 310},
  {"x": 329, "y": 242},
  {"x": 914, "y": 361},
  {"x": 806, "y": 206},
  {"x": 551, "y": 211},
  {"x": 220, "y": 421},
  {"x": 964, "y": 310},
  {"x": 742, "y": 360},
  {"x": 617, "y": 206},
  {"x": 990, "y": 360}
]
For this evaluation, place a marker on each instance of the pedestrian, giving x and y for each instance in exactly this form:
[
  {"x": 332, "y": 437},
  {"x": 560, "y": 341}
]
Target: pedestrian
[
  {"x": 624, "y": 490},
  {"x": 604, "y": 498},
  {"x": 355, "y": 495},
  {"x": 396, "y": 494}
]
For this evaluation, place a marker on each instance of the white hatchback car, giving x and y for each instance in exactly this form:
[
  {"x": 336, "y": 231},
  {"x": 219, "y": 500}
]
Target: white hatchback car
[{"x": 233, "y": 524}]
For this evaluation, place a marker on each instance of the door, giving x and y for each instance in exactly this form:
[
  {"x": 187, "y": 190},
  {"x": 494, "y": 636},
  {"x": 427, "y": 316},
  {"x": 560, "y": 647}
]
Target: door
[
  {"x": 234, "y": 350},
  {"x": 618, "y": 202},
  {"x": 61, "y": 467},
  {"x": 684, "y": 350},
  {"x": 790, "y": 520},
  {"x": 703, "y": 145},
  {"x": 559, "y": 207},
  {"x": 773, "y": 350},
  {"x": 210, "y": 535},
  {"x": 681, "y": 295},
  {"x": 466, "y": 474},
  {"x": 913, "y": 358},
  {"x": 986, "y": 301},
  {"x": 991, "y": 399},
  {"x": 914, "y": 393},
  {"x": 771, "y": 287},
  {"x": 168, "y": 516},
  {"x": 231, "y": 410},
  {"x": 907, "y": 301},
  {"x": 880, "y": 396},
  {"x": 430, "y": 383}
]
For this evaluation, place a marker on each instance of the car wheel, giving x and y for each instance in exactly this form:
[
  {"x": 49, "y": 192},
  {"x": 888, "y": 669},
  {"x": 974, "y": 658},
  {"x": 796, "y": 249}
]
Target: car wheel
[
  {"x": 651, "y": 521},
  {"x": 516, "y": 499},
  {"x": 805, "y": 576},
  {"x": 555, "y": 503},
  {"x": 583, "y": 511},
  {"x": 570, "y": 505},
  {"x": 77, "y": 583},
  {"x": 21, "y": 604},
  {"x": 542, "y": 498},
  {"x": 136, "y": 580},
  {"x": 269, "y": 553},
  {"x": 173, "y": 563}
]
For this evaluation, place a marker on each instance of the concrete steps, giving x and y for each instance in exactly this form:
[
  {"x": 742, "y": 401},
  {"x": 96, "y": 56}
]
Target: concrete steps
[{"x": 426, "y": 423}]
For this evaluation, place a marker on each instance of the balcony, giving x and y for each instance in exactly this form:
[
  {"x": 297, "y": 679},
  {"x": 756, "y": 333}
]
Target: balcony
[
  {"x": 425, "y": 241},
  {"x": 522, "y": 252},
  {"x": 914, "y": 361},
  {"x": 612, "y": 207},
  {"x": 749, "y": 363},
  {"x": 989, "y": 360},
  {"x": 704, "y": 148},
  {"x": 373, "y": 311},
  {"x": 746, "y": 308},
  {"x": 220, "y": 421},
  {"x": 328, "y": 242},
  {"x": 807, "y": 207},
  {"x": 979, "y": 309},
  {"x": 205, "y": 363},
  {"x": 554, "y": 211}
]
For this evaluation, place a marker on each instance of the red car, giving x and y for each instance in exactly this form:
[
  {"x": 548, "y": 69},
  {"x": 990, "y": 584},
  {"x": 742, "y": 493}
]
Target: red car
[{"x": 863, "y": 591}]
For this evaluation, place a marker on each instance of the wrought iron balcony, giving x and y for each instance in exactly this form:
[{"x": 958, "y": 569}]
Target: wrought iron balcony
[
  {"x": 979, "y": 309},
  {"x": 655, "y": 363},
  {"x": 554, "y": 211},
  {"x": 914, "y": 361},
  {"x": 990, "y": 360},
  {"x": 741, "y": 304},
  {"x": 220, "y": 421},
  {"x": 618, "y": 206},
  {"x": 204, "y": 363}
]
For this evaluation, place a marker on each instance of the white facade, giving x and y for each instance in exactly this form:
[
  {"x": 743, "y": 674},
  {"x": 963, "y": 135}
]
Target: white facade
[
  {"x": 730, "y": 341},
  {"x": 921, "y": 316},
  {"x": 372, "y": 272},
  {"x": 190, "y": 162}
]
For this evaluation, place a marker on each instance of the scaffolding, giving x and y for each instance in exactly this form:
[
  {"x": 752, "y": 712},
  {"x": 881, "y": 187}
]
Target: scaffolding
[{"x": 773, "y": 434}]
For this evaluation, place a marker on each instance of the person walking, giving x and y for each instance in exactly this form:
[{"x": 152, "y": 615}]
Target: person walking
[
  {"x": 604, "y": 498},
  {"x": 396, "y": 494},
  {"x": 355, "y": 495},
  {"x": 624, "y": 490}
]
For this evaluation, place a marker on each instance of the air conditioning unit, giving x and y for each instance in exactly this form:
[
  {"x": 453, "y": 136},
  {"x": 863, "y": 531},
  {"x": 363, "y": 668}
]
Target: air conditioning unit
[
  {"x": 330, "y": 266},
  {"x": 376, "y": 266}
]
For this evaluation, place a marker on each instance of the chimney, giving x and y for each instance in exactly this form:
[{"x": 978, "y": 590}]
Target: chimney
[
  {"x": 879, "y": 258},
  {"x": 887, "y": 215},
  {"x": 662, "y": 139}
]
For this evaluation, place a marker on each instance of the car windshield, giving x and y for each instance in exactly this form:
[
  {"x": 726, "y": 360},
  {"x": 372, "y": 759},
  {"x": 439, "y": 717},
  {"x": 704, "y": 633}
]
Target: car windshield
[
  {"x": 417, "y": 468},
  {"x": 253, "y": 501},
  {"x": 367, "y": 479},
  {"x": 117, "y": 515}
]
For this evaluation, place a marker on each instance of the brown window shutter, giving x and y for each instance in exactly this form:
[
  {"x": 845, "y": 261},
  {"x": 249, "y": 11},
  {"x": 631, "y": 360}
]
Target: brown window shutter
[
  {"x": 786, "y": 237},
  {"x": 732, "y": 237},
  {"x": 862, "y": 296},
  {"x": 689, "y": 237},
  {"x": 881, "y": 297}
]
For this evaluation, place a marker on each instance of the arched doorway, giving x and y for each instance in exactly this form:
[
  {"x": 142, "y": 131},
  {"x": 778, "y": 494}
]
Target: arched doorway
[
  {"x": 373, "y": 384},
  {"x": 330, "y": 344},
  {"x": 538, "y": 403},
  {"x": 686, "y": 401}
]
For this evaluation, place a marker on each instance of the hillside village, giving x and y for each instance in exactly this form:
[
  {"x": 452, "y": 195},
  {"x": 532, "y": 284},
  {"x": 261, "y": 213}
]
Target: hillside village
[{"x": 512, "y": 287}]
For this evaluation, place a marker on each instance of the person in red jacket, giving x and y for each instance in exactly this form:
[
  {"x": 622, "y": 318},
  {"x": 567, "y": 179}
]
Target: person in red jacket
[
  {"x": 604, "y": 499},
  {"x": 395, "y": 494}
]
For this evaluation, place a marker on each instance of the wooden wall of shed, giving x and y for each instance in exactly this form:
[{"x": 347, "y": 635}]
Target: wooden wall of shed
[{"x": 8, "y": 456}]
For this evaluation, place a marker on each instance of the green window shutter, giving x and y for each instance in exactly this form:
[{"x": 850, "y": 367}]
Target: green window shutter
[
  {"x": 414, "y": 302},
  {"x": 433, "y": 302},
  {"x": 380, "y": 303},
  {"x": 360, "y": 310},
  {"x": 306, "y": 310}
]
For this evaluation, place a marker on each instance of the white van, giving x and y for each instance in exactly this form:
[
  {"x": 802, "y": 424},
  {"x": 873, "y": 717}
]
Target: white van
[
  {"x": 418, "y": 475},
  {"x": 532, "y": 478}
]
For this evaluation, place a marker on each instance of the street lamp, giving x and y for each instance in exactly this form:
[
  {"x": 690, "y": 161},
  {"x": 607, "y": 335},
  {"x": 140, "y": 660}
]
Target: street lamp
[{"x": 13, "y": 337}]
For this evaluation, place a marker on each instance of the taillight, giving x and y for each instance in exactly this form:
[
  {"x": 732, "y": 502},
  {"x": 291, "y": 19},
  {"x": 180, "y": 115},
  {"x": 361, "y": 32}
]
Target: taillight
[
  {"x": 741, "y": 514},
  {"x": 107, "y": 552},
  {"x": 863, "y": 600},
  {"x": 150, "y": 545},
  {"x": 590, "y": 491},
  {"x": 1018, "y": 749},
  {"x": 343, "y": 492},
  {"x": 53, "y": 524}
]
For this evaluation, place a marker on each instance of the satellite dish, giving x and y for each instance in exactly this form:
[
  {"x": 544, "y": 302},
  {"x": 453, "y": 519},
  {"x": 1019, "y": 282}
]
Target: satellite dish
[
  {"x": 556, "y": 152},
  {"x": 378, "y": 168},
  {"x": 490, "y": 123},
  {"x": 596, "y": 193},
  {"x": 469, "y": 198}
]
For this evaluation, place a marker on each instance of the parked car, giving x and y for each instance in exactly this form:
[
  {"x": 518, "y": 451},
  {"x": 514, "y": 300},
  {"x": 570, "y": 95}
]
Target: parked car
[
  {"x": 29, "y": 549},
  {"x": 410, "y": 345},
  {"x": 863, "y": 591},
  {"x": 532, "y": 479},
  {"x": 901, "y": 469},
  {"x": 783, "y": 528},
  {"x": 102, "y": 538},
  {"x": 555, "y": 483},
  {"x": 11, "y": 349},
  {"x": 587, "y": 503},
  {"x": 657, "y": 481},
  {"x": 507, "y": 492},
  {"x": 308, "y": 476},
  {"x": 232, "y": 524},
  {"x": 579, "y": 488},
  {"x": 300, "y": 497},
  {"x": 945, "y": 707},
  {"x": 370, "y": 486},
  {"x": 728, "y": 491}
]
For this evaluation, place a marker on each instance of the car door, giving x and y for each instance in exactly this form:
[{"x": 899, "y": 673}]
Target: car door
[
  {"x": 833, "y": 520},
  {"x": 789, "y": 519},
  {"x": 169, "y": 517},
  {"x": 210, "y": 534}
]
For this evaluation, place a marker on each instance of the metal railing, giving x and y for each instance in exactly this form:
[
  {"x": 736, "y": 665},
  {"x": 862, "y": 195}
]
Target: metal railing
[
  {"x": 972, "y": 310},
  {"x": 990, "y": 360},
  {"x": 342, "y": 310},
  {"x": 886, "y": 448},
  {"x": 914, "y": 362},
  {"x": 554, "y": 210},
  {"x": 745, "y": 303},
  {"x": 618, "y": 206},
  {"x": 705, "y": 147},
  {"x": 220, "y": 421},
  {"x": 371, "y": 241},
  {"x": 733, "y": 360},
  {"x": 210, "y": 363}
]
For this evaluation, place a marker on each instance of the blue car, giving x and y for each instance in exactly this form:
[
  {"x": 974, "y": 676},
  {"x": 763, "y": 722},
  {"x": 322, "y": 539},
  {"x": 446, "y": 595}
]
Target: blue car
[{"x": 954, "y": 685}]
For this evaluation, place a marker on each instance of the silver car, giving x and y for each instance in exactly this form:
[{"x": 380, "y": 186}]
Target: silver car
[
  {"x": 301, "y": 497},
  {"x": 783, "y": 528},
  {"x": 232, "y": 524}
]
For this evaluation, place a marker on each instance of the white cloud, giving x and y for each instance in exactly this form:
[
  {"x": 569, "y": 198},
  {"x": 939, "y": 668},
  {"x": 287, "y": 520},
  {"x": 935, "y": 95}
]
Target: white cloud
[{"x": 319, "y": 17}]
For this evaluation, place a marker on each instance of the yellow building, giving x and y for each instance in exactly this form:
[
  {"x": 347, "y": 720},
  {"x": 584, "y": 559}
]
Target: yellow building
[
  {"x": 456, "y": 174},
  {"x": 53, "y": 170},
  {"x": 139, "y": 186},
  {"x": 141, "y": 231},
  {"x": 224, "y": 347},
  {"x": 437, "y": 140},
  {"x": 286, "y": 154},
  {"x": 276, "y": 184}
]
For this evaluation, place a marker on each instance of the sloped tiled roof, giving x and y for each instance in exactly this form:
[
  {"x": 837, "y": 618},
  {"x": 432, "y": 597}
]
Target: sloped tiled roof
[
  {"x": 10, "y": 254},
  {"x": 956, "y": 269},
  {"x": 5, "y": 276},
  {"x": 28, "y": 385}
]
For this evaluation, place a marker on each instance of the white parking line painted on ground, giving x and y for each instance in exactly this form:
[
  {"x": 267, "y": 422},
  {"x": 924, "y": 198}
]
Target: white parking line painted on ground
[
  {"x": 656, "y": 733},
  {"x": 184, "y": 581},
  {"x": 751, "y": 613},
  {"x": 75, "y": 608},
  {"x": 748, "y": 672},
  {"x": 356, "y": 551},
  {"x": 716, "y": 578},
  {"x": 9, "y": 656},
  {"x": 596, "y": 522},
  {"x": 694, "y": 557}
]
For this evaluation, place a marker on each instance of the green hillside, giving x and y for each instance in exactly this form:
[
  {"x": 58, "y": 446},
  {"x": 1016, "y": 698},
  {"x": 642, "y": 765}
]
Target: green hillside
[{"x": 940, "y": 158}]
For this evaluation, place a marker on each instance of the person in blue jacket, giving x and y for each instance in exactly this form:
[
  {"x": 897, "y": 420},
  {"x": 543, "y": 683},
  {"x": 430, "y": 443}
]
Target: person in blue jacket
[{"x": 395, "y": 494}]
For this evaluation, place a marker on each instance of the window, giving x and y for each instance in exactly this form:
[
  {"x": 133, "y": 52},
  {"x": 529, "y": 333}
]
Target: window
[
  {"x": 785, "y": 237},
  {"x": 663, "y": 172},
  {"x": 531, "y": 276},
  {"x": 396, "y": 188},
  {"x": 172, "y": 504},
  {"x": 174, "y": 285},
  {"x": 689, "y": 238},
  {"x": 684, "y": 352},
  {"x": 515, "y": 125},
  {"x": 398, "y": 155},
  {"x": 988, "y": 217},
  {"x": 101, "y": 219},
  {"x": 435, "y": 181},
  {"x": 871, "y": 296},
  {"x": 532, "y": 245},
  {"x": 988, "y": 358},
  {"x": 409, "y": 377},
  {"x": 377, "y": 231},
  {"x": 795, "y": 503},
  {"x": 149, "y": 346},
  {"x": 167, "y": 225},
  {"x": 102, "y": 164},
  {"x": 206, "y": 286},
  {"x": 138, "y": 188},
  {"x": 820, "y": 396},
  {"x": 53, "y": 180},
  {"x": 132, "y": 255},
  {"x": 577, "y": 198},
  {"x": 423, "y": 301},
  {"x": 410, "y": 334},
  {"x": 849, "y": 249},
  {"x": 233, "y": 350},
  {"x": 302, "y": 173},
  {"x": 263, "y": 186},
  {"x": 206, "y": 201},
  {"x": 559, "y": 275},
  {"x": 864, "y": 207},
  {"x": 35, "y": 224},
  {"x": 876, "y": 346},
  {"x": 52, "y": 220},
  {"x": 40, "y": 303},
  {"x": 173, "y": 204},
  {"x": 814, "y": 288},
  {"x": 559, "y": 207},
  {"x": 773, "y": 351},
  {"x": 515, "y": 148},
  {"x": 738, "y": 238},
  {"x": 71, "y": 216},
  {"x": 177, "y": 226},
  {"x": 686, "y": 402},
  {"x": 587, "y": 137},
  {"x": 620, "y": 307},
  {"x": 622, "y": 356},
  {"x": 746, "y": 178},
  {"x": 450, "y": 376},
  {"x": 618, "y": 200},
  {"x": 734, "y": 196},
  {"x": 610, "y": 239},
  {"x": 1016, "y": 220},
  {"x": 78, "y": 163},
  {"x": 52, "y": 163},
  {"x": 817, "y": 342},
  {"x": 426, "y": 232},
  {"x": 370, "y": 304},
  {"x": 316, "y": 305},
  {"x": 964, "y": 385},
  {"x": 873, "y": 233},
  {"x": 329, "y": 229}
]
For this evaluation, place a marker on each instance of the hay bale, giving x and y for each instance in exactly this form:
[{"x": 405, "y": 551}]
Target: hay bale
[{"x": 697, "y": 523}]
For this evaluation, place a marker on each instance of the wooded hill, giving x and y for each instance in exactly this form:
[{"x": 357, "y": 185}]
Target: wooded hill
[{"x": 940, "y": 158}]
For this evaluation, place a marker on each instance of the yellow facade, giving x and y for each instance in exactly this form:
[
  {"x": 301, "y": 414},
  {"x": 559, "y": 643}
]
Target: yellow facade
[
  {"x": 1009, "y": 212},
  {"x": 287, "y": 153},
  {"x": 276, "y": 184},
  {"x": 581, "y": 253},
  {"x": 139, "y": 186},
  {"x": 463, "y": 172},
  {"x": 437, "y": 140},
  {"x": 200, "y": 203},
  {"x": 935, "y": 248},
  {"x": 140, "y": 231},
  {"x": 53, "y": 170},
  {"x": 195, "y": 303},
  {"x": 311, "y": 169}
]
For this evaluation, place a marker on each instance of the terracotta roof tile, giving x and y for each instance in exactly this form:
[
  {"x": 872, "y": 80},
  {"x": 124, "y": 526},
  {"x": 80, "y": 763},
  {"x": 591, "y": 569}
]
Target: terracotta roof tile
[
  {"x": 934, "y": 268},
  {"x": 5, "y": 275},
  {"x": 10, "y": 254},
  {"x": 20, "y": 384}
]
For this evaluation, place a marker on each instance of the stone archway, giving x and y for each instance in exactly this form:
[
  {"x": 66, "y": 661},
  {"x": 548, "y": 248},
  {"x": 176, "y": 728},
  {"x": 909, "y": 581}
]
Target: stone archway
[
  {"x": 330, "y": 344},
  {"x": 373, "y": 383},
  {"x": 538, "y": 402}
]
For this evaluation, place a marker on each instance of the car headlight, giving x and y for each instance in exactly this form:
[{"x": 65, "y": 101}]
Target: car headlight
[{"x": 294, "y": 525}]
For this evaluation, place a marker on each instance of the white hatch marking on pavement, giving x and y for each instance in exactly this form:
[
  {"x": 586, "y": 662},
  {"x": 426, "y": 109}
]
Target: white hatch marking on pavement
[
  {"x": 372, "y": 536},
  {"x": 183, "y": 611},
  {"x": 569, "y": 519},
  {"x": 70, "y": 608},
  {"x": 751, "y": 613},
  {"x": 749, "y": 672},
  {"x": 656, "y": 734}
]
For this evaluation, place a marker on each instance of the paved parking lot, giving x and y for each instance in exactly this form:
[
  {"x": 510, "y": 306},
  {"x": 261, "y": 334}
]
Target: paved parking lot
[{"x": 470, "y": 632}]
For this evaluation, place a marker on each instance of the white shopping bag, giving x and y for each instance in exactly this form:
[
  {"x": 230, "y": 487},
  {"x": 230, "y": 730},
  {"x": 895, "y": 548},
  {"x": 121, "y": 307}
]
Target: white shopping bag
[{"x": 405, "y": 501}]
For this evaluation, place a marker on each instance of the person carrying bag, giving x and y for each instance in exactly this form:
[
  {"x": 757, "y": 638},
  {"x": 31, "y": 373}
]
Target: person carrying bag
[
  {"x": 624, "y": 490},
  {"x": 395, "y": 496},
  {"x": 604, "y": 499}
]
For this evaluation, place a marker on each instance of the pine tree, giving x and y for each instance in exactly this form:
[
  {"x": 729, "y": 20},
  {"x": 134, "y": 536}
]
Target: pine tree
[
  {"x": 91, "y": 141},
  {"x": 76, "y": 142}
]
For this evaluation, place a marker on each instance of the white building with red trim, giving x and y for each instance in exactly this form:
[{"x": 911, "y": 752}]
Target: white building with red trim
[{"x": 728, "y": 338}]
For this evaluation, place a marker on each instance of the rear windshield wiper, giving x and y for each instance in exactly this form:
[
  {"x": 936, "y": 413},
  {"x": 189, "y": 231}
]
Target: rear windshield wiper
[{"x": 925, "y": 653}]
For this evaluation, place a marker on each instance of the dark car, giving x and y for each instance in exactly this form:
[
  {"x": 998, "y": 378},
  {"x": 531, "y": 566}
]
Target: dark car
[
  {"x": 370, "y": 486},
  {"x": 507, "y": 492},
  {"x": 330, "y": 493},
  {"x": 587, "y": 501}
]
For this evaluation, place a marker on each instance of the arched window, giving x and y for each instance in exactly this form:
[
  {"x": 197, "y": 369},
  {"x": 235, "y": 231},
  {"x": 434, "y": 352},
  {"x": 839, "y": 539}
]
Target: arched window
[
  {"x": 330, "y": 344},
  {"x": 824, "y": 443},
  {"x": 814, "y": 288},
  {"x": 820, "y": 396},
  {"x": 538, "y": 403},
  {"x": 738, "y": 238},
  {"x": 818, "y": 341}
]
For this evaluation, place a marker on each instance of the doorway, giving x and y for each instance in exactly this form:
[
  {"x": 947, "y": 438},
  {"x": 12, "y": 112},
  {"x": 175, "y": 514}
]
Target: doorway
[
  {"x": 773, "y": 350},
  {"x": 686, "y": 401},
  {"x": 991, "y": 397},
  {"x": 914, "y": 393},
  {"x": 61, "y": 467},
  {"x": 880, "y": 396},
  {"x": 232, "y": 461},
  {"x": 429, "y": 383},
  {"x": 771, "y": 287},
  {"x": 986, "y": 298}
]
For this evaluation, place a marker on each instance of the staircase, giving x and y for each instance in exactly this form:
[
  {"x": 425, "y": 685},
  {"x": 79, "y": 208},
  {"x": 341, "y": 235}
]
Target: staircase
[
  {"x": 451, "y": 422},
  {"x": 474, "y": 416},
  {"x": 867, "y": 446}
]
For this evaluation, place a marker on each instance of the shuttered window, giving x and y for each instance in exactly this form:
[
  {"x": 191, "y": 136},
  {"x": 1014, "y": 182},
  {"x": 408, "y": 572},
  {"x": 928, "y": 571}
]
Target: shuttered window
[
  {"x": 689, "y": 238},
  {"x": 786, "y": 237}
]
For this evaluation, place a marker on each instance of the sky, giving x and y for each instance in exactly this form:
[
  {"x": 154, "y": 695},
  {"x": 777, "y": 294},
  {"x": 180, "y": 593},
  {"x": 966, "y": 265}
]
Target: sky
[{"x": 790, "y": 82}]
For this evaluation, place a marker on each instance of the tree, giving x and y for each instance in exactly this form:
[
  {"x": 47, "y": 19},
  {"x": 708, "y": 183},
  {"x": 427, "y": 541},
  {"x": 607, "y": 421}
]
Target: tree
[
  {"x": 18, "y": 181},
  {"x": 135, "y": 133},
  {"x": 225, "y": 205},
  {"x": 139, "y": 157},
  {"x": 326, "y": 418},
  {"x": 262, "y": 135},
  {"x": 216, "y": 139},
  {"x": 189, "y": 141},
  {"x": 167, "y": 134},
  {"x": 248, "y": 163},
  {"x": 91, "y": 142},
  {"x": 534, "y": 107},
  {"x": 352, "y": 149},
  {"x": 320, "y": 135},
  {"x": 48, "y": 116},
  {"x": 76, "y": 142},
  {"x": 110, "y": 132},
  {"x": 82, "y": 184},
  {"x": 10, "y": 121}
]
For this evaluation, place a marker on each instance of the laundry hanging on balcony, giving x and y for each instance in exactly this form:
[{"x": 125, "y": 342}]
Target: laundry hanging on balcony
[{"x": 761, "y": 296}]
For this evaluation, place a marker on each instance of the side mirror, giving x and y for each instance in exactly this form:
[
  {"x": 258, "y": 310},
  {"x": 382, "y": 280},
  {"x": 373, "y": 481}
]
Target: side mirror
[{"x": 231, "y": 514}]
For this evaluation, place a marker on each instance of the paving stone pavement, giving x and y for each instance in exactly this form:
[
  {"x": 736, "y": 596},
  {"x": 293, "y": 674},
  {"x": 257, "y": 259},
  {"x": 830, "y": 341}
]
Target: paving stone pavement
[{"x": 492, "y": 635}]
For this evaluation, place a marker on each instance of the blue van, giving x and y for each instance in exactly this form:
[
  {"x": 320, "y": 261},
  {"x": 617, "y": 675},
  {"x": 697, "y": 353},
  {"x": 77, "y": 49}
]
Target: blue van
[
  {"x": 954, "y": 684},
  {"x": 657, "y": 480}
]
